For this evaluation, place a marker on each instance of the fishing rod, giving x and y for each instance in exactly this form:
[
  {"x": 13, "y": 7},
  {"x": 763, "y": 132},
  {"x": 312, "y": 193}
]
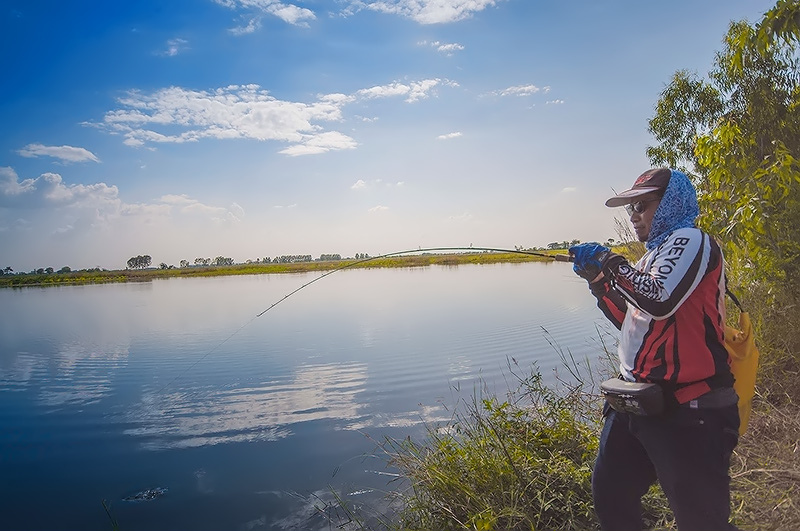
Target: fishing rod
[{"x": 557, "y": 257}]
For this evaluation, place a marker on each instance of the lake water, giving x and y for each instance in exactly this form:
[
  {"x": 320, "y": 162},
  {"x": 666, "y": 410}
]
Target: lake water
[{"x": 252, "y": 423}]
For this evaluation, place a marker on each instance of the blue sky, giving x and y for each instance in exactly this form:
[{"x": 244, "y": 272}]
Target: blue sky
[{"x": 257, "y": 128}]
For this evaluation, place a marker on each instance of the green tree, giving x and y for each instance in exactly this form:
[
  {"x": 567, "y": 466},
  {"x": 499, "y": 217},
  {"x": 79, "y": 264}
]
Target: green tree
[
  {"x": 737, "y": 133},
  {"x": 140, "y": 261}
]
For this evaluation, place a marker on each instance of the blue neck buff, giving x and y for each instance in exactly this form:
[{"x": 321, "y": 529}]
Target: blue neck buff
[{"x": 678, "y": 210}]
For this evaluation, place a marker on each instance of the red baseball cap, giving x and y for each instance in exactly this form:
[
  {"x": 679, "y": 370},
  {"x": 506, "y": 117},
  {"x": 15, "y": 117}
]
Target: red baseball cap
[{"x": 654, "y": 180}]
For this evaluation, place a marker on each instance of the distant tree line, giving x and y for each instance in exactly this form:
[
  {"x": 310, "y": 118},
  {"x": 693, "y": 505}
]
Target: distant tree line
[
  {"x": 45, "y": 271},
  {"x": 145, "y": 260}
]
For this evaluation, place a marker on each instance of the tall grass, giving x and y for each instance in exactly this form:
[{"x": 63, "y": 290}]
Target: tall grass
[{"x": 521, "y": 462}]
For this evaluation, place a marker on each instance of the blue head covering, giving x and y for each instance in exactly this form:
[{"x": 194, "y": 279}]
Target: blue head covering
[{"x": 678, "y": 209}]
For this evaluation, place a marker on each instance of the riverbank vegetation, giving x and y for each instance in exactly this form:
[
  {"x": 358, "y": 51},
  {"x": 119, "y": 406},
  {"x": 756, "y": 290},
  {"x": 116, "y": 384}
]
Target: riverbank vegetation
[{"x": 100, "y": 276}]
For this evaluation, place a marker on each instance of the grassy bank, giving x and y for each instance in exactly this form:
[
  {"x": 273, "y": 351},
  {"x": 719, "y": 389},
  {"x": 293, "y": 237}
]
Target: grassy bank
[{"x": 145, "y": 275}]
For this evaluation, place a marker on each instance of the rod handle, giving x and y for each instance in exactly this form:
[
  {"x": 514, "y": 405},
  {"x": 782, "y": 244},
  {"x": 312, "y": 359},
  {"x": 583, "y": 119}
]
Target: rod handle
[{"x": 564, "y": 257}]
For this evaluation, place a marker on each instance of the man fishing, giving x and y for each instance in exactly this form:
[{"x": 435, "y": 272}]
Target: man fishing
[{"x": 672, "y": 415}]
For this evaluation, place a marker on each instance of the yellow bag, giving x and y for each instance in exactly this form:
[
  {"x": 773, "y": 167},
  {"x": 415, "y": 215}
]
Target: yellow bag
[{"x": 743, "y": 353}]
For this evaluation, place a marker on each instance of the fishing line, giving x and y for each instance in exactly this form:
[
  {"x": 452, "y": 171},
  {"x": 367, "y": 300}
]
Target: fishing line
[{"x": 556, "y": 257}]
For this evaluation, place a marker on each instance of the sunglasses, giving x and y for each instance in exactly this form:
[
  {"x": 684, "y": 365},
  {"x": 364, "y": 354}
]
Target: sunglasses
[{"x": 638, "y": 207}]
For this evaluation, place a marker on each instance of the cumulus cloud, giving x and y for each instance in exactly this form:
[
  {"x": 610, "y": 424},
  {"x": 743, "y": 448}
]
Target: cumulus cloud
[
  {"x": 445, "y": 48},
  {"x": 359, "y": 184},
  {"x": 62, "y": 153},
  {"x": 176, "y": 115},
  {"x": 96, "y": 204},
  {"x": 428, "y": 11},
  {"x": 521, "y": 90},
  {"x": 448, "y": 136},
  {"x": 290, "y": 13},
  {"x": 555, "y": 102},
  {"x": 320, "y": 143},
  {"x": 48, "y": 190},
  {"x": 413, "y": 92},
  {"x": 449, "y": 49}
]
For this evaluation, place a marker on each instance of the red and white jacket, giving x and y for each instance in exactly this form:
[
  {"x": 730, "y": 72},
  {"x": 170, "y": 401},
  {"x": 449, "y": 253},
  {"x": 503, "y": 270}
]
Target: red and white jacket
[{"x": 670, "y": 310}]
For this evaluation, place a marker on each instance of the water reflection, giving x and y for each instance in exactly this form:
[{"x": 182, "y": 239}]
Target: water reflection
[
  {"x": 17, "y": 370},
  {"x": 90, "y": 376},
  {"x": 264, "y": 412},
  {"x": 82, "y": 375},
  {"x": 75, "y": 374}
]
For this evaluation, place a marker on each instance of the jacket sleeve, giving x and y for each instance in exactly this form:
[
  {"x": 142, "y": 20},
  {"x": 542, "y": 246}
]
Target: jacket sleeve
[
  {"x": 609, "y": 301},
  {"x": 660, "y": 283}
]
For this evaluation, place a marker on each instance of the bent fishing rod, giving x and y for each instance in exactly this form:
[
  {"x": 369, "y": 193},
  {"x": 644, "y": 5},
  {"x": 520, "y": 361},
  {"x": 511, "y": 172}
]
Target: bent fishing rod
[{"x": 557, "y": 257}]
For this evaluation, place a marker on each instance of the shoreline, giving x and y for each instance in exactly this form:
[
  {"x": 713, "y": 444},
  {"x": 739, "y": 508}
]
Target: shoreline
[{"x": 84, "y": 277}]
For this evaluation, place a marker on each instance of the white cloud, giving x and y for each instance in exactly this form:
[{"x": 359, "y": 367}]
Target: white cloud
[
  {"x": 445, "y": 48},
  {"x": 569, "y": 189},
  {"x": 448, "y": 136},
  {"x": 321, "y": 143},
  {"x": 555, "y": 102},
  {"x": 413, "y": 91},
  {"x": 449, "y": 49},
  {"x": 378, "y": 208},
  {"x": 362, "y": 184},
  {"x": 63, "y": 153},
  {"x": 10, "y": 185},
  {"x": 289, "y": 13},
  {"x": 236, "y": 210},
  {"x": 521, "y": 90},
  {"x": 177, "y": 115},
  {"x": 48, "y": 190},
  {"x": 98, "y": 203},
  {"x": 178, "y": 200},
  {"x": 175, "y": 46},
  {"x": 428, "y": 11},
  {"x": 253, "y": 25}
]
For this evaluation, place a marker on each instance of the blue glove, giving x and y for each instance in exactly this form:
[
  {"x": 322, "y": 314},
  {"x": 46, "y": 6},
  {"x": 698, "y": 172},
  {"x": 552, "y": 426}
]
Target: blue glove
[{"x": 589, "y": 259}]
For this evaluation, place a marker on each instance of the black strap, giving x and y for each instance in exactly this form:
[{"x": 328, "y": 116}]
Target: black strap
[{"x": 734, "y": 299}]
